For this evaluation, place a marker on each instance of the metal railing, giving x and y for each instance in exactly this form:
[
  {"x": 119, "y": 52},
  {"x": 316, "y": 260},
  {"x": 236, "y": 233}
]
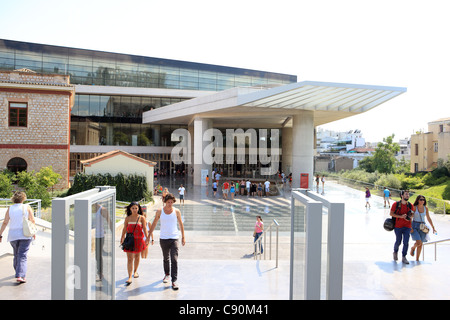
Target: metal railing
[
  {"x": 436, "y": 205},
  {"x": 35, "y": 204},
  {"x": 258, "y": 245},
  {"x": 435, "y": 247}
]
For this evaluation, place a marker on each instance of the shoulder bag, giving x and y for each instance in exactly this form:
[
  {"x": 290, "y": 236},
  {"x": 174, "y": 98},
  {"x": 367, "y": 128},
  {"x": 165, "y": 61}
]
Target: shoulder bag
[
  {"x": 423, "y": 227},
  {"x": 29, "y": 228},
  {"x": 128, "y": 242}
]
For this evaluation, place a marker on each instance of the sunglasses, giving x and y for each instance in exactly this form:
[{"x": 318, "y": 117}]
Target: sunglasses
[{"x": 422, "y": 199}]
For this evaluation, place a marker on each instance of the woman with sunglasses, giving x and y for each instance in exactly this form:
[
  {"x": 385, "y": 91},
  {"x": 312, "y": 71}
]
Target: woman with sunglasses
[{"x": 421, "y": 211}]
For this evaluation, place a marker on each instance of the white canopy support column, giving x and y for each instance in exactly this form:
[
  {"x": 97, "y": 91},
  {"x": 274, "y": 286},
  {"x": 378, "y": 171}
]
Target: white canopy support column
[
  {"x": 200, "y": 126},
  {"x": 302, "y": 146}
]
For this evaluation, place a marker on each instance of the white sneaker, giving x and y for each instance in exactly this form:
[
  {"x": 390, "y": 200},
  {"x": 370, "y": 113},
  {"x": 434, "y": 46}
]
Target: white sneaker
[
  {"x": 174, "y": 286},
  {"x": 166, "y": 278}
]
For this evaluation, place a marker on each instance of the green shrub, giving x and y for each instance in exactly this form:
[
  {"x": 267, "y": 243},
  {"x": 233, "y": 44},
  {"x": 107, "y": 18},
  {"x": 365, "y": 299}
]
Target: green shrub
[
  {"x": 6, "y": 187},
  {"x": 389, "y": 180},
  {"x": 128, "y": 187}
]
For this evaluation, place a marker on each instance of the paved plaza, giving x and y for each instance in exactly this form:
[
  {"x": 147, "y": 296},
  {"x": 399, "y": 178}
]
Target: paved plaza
[{"x": 217, "y": 261}]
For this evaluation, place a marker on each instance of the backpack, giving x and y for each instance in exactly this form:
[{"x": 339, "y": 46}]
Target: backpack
[{"x": 398, "y": 206}]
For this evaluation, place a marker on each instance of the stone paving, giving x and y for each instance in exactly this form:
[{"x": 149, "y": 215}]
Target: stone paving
[{"x": 217, "y": 261}]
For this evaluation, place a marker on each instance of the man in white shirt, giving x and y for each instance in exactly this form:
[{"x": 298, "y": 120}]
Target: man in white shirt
[
  {"x": 267, "y": 186},
  {"x": 181, "y": 191}
]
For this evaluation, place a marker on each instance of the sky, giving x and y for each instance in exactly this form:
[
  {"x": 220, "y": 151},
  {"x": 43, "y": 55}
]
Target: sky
[{"x": 395, "y": 43}]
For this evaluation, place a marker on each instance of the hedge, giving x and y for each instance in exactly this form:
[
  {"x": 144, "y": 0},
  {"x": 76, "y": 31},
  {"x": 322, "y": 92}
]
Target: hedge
[{"x": 128, "y": 187}]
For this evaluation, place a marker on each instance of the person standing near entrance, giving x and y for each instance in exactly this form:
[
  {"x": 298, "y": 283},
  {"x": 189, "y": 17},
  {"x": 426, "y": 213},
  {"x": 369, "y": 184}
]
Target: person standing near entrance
[
  {"x": 402, "y": 212},
  {"x": 169, "y": 238}
]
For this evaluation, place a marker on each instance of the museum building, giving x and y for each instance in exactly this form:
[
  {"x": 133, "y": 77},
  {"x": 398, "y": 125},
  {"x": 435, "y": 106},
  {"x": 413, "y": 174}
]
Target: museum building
[{"x": 135, "y": 103}]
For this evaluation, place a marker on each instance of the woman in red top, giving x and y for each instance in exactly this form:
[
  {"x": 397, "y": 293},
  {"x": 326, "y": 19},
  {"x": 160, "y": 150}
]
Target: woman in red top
[{"x": 135, "y": 223}]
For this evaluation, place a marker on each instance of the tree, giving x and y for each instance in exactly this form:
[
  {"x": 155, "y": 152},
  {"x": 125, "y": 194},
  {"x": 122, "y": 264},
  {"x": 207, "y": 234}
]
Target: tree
[
  {"x": 383, "y": 159},
  {"x": 36, "y": 184},
  {"x": 6, "y": 187}
]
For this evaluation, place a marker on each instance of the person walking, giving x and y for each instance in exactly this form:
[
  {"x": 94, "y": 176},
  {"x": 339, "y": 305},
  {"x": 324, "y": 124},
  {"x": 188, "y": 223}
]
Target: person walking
[
  {"x": 387, "y": 196},
  {"x": 259, "y": 228},
  {"x": 402, "y": 212},
  {"x": 169, "y": 238},
  {"x": 266, "y": 188},
  {"x": 225, "y": 189},
  {"x": 418, "y": 235},
  {"x": 317, "y": 183},
  {"x": 181, "y": 191},
  {"x": 19, "y": 242},
  {"x": 134, "y": 223},
  {"x": 323, "y": 184},
  {"x": 368, "y": 195}
]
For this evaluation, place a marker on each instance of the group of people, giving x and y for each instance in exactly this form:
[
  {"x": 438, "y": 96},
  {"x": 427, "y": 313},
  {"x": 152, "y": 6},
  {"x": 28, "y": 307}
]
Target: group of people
[
  {"x": 248, "y": 188},
  {"x": 137, "y": 224},
  {"x": 318, "y": 179}
]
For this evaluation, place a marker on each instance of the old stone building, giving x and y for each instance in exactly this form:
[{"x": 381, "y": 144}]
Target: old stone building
[{"x": 35, "y": 121}]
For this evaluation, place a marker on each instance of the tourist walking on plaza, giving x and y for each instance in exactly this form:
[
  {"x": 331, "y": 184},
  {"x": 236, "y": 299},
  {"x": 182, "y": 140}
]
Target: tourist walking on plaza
[
  {"x": 136, "y": 224},
  {"x": 266, "y": 187},
  {"x": 323, "y": 184},
  {"x": 317, "y": 183},
  {"x": 259, "y": 228},
  {"x": 225, "y": 189},
  {"x": 418, "y": 234},
  {"x": 181, "y": 191},
  {"x": 387, "y": 196},
  {"x": 368, "y": 195},
  {"x": 19, "y": 242},
  {"x": 168, "y": 238},
  {"x": 402, "y": 212}
]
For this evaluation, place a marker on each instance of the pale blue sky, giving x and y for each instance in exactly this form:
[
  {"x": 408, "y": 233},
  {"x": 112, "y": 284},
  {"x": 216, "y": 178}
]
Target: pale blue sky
[{"x": 384, "y": 42}]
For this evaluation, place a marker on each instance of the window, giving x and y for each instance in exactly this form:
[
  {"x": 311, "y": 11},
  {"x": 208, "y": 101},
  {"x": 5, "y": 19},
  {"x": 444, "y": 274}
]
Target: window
[
  {"x": 436, "y": 147},
  {"x": 416, "y": 149},
  {"x": 18, "y": 114},
  {"x": 16, "y": 165}
]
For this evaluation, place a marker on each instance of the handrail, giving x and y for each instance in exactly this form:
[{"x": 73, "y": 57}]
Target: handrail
[
  {"x": 435, "y": 247},
  {"x": 257, "y": 243}
]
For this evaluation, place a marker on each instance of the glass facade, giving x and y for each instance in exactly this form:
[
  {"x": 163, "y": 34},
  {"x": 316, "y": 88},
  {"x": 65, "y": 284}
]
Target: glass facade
[
  {"x": 91, "y": 67},
  {"x": 117, "y": 119}
]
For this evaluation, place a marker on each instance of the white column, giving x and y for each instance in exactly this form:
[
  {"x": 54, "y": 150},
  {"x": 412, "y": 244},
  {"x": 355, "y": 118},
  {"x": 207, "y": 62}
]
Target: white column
[
  {"x": 286, "y": 150},
  {"x": 302, "y": 147},
  {"x": 200, "y": 126}
]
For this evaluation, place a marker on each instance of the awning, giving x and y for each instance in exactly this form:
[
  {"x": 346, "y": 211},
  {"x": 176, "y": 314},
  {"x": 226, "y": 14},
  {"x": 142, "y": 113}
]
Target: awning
[{"x": 273, "y": 107}]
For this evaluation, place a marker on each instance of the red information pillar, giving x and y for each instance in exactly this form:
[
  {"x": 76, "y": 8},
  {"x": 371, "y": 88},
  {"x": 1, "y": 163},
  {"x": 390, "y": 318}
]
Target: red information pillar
[{"x": 304, "y": 180}]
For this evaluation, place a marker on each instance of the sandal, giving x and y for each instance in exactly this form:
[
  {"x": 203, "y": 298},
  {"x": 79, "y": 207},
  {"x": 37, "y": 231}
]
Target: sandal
[{"x": 413, "y": 250}]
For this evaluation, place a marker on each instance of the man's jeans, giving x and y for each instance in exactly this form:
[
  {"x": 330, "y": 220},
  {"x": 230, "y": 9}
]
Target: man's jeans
[
  {"x": 170, "y": 250},
  {"x": 20, "y": 248},
  {"x": 399, "y": 234}
]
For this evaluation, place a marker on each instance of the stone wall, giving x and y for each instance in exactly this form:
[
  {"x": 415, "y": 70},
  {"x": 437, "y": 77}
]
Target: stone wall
[{"x": 45, "y": 139}]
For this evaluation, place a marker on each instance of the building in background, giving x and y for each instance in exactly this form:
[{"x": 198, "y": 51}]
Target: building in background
[
  {"x": 428, "y": 147},
  {"x": 35, "y": 122}
]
